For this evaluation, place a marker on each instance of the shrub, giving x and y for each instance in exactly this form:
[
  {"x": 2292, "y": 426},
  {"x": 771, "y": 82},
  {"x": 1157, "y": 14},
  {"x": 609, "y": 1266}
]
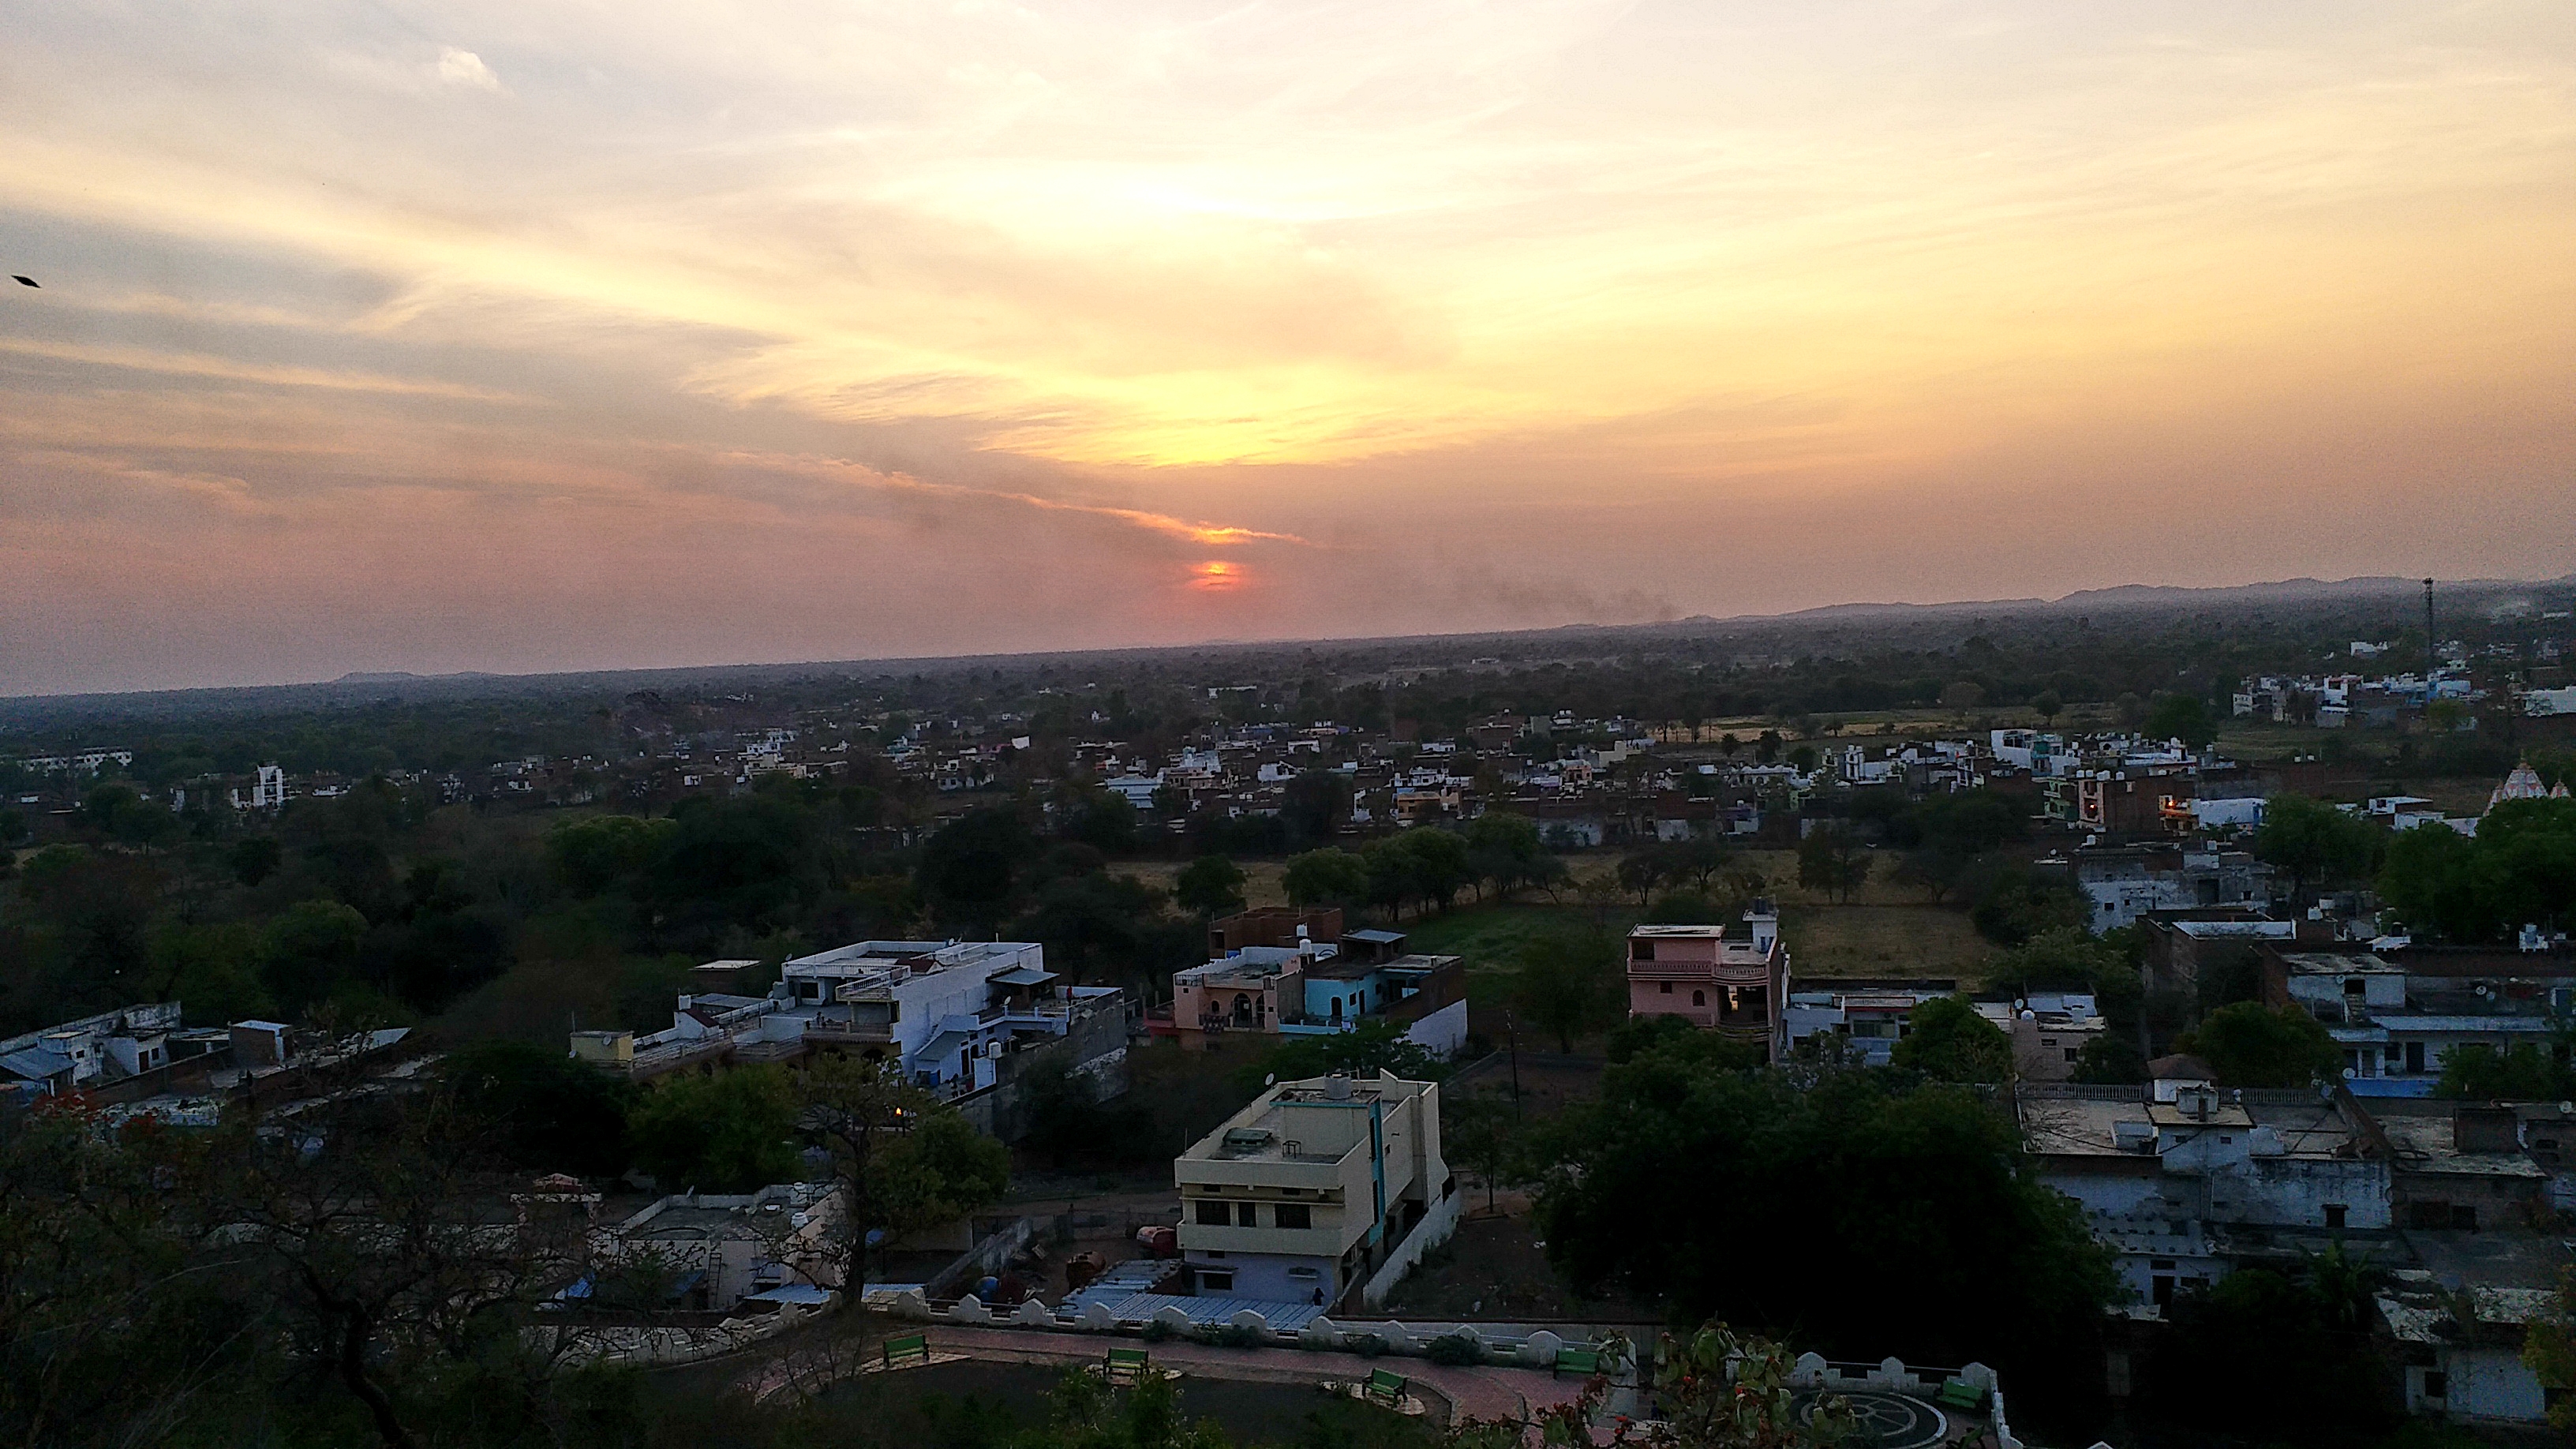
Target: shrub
[{"x": 1456, "y": 1350}]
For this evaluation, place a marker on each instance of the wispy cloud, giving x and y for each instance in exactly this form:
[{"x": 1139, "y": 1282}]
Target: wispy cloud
[{"x": 181, "y": 364}]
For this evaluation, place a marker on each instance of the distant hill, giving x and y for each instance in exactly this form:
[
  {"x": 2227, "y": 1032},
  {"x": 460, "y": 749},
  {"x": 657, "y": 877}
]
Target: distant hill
[{"x": 2369, "y": 602}]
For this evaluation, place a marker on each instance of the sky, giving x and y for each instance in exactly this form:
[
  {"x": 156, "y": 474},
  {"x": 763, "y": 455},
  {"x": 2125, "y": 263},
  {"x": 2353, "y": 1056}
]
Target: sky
[{"x": 574, "y": 335}]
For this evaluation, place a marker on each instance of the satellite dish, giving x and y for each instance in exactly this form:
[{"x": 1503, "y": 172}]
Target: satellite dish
[{"x": 1270, "y": 1079}]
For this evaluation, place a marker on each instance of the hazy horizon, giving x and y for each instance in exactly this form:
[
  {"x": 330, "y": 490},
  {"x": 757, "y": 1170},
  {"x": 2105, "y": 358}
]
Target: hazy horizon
[
  {"x": 2403, "y": 591},
  {"x": 523, "y": 340}
]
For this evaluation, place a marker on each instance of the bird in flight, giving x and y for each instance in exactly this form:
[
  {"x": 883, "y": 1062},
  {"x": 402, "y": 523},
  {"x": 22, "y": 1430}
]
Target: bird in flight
[{"x": 28, "y": 282}]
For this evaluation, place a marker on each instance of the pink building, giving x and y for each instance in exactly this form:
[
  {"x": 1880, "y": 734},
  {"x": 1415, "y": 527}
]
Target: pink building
[{"x": 1731, "y": 980}]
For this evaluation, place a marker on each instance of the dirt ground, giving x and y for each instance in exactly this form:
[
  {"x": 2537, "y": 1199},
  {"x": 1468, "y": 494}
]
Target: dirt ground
[
  {"x": 1547, "y": 1081},
  {"x": 1496, "y": 1268},
  {"x": 1884, "y": 940},
  {"x": 1262, "y": 879}
]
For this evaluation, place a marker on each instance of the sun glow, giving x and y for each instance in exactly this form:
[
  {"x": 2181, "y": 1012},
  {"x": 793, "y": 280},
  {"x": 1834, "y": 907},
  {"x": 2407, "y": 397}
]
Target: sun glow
[{"x": 1216, "y": 575}]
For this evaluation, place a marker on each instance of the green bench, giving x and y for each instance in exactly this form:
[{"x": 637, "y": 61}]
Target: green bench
[
  {"x": 1127, "y": 1366},
  {"x": 1584, "y": 1361},
  {"x": 911, "y": 1348},
  {"x": 1386, "y": 1388},
  {"x": 1960, "y": 1394}
]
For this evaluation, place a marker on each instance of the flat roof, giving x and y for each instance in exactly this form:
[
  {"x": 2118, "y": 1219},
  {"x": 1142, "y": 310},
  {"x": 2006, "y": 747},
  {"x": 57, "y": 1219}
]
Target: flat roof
[{"x": 2073, "y": 1120}]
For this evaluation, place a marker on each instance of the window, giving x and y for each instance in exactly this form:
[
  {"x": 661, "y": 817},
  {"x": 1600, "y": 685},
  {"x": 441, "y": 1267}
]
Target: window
[
  {"x": 1293, "y": 1215},
  {"x": 1216, "y": 1282},
  {"x": 1214, "y": 1215},
  {"x": 1699, "y": 998},
  {"x": 2073, "y": 1055},
  {"x": 1641, "y": 950},
  {"x": 2437, "y": 1384},
  {"x": 2334, "y": 1214},
  {"x": 1668, "y": 988},
  {"x": 1247, "y": 1214}
]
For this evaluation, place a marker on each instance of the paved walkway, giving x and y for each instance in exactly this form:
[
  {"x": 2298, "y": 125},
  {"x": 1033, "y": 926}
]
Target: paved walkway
[{"x": 1483, "y": 1392}]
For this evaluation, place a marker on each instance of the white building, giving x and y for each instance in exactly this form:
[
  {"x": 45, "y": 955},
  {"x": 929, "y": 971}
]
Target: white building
[
  {"x": 2462, "y": 1349},
  {"x": 1318, "y": 1190},
  {"x": 2181, "y": 1178},
  {"x": 704, "y": 1251},
  {"x": 943, "y": 1013},
  {"x": 944, "y": 1010},
  {"x": 1863, "y": 1018}
]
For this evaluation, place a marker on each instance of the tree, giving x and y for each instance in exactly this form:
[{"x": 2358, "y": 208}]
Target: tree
[
  {"x": 1482, "y": 1131},
  {"x": 968, "y": 869},
  {"x": 310, "y": 949},
  {"x": 1571, "y": 981},
  {"x": 1963, "y": 695},
  {"x": 2280, "y": 1360},
  {"x": 2013, "y": 903},
  {"x": 1934, "y": 872},
  {"x": 1315, "y": 805},
  {"x": 2180, "y": 717},
  {"x": 2048, "y": 704},
  {"x": 1329, "y": 877},
  {"x": 1948, "y": 1041},
  {"x": 2111, "y": 1058},
  {"x": 607, "y": 852},
  {"x": 732, "y": 1131},
  {"x": 1371, "y": 1046},
  {"x": 867, "y": 1119},
  {"x": 1091, "y": 922},
  {"x": 1898, "y": 1169},
  {"x": 550, "y": 1112},
  {"x": 1210, "y": 885},
  {"x": 940, "y": 1171},
  {"x": 2549, "y": 1351},
  {"x": 254, "y": 858},
  {"x": 2520, "y": 869},
  {"x": 2251, "y": 1045},
  {"x": 1642, "y": 872},
  {"x": 1063, "y": 1120},
  {"x": 2522, "y": 1072},
  {"x": 2312, "y": 842},
  {"x": 1835, "y": 861},
  {"x": 1101, "y": 819},
  {"x": 1505, "y": 849}
]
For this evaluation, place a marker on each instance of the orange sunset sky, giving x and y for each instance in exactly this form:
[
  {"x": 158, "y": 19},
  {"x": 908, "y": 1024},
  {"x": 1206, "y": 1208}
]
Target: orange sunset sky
[{"x": 567, "y": 335}]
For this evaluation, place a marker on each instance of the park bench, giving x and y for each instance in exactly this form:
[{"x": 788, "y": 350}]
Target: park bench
[
  {"x": 1386, "y": 1388},
  {"x": 1584, "y": 1361},
  {"x": 911, "y": 1348},
  {"x": 1127, "y": 1366},
  {"x": 1960, "y": 1394}
]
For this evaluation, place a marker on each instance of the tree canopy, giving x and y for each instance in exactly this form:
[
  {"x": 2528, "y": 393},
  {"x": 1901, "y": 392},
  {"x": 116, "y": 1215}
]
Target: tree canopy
[
  {"x": 2251, "y": 1045},
  {"x": 1926, "y": 1175},
  {"x": 1948, "y": 1041}
]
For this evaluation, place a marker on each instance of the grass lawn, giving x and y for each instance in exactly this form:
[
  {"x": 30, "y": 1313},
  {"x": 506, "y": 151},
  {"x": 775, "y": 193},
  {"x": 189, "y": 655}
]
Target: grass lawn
[{"x": 1491, "y": 936}]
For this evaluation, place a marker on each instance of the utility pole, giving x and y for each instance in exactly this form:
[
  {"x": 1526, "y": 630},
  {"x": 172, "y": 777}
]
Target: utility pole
[
  {"x": 2432, "y": 654},
  {"x": 1512, "y": 1039}
]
